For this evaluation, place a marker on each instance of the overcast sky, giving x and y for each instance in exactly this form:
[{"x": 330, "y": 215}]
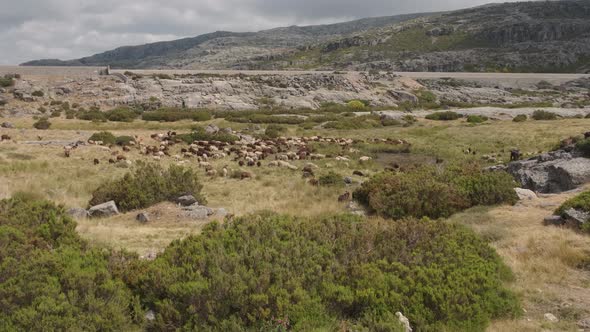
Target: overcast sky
[{"x": 67, "y": 29}]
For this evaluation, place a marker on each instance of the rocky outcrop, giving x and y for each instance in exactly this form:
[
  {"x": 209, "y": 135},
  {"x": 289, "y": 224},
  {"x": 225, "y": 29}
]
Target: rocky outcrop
[
  {"x": 107, "y": 209},
  {"x": 553, "y": 172}
]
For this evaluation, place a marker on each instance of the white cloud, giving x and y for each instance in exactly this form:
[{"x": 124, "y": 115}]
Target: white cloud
[{"x": 67, "y": 29}]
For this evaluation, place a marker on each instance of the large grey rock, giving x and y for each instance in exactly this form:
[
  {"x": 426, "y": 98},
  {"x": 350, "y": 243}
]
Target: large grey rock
[
  {"x": 77, "y": 213},
  {"x": 584, "y": 323},
  {"x": 525, "y": 194},
  {"x": 186, "y": 200},
  {"x": 211, "y": 129},
  {"x": 198, "y": 212},
  {"x": 143, "y": 217},
  {"x": 551, "y": 173},
  {"x": 107, "y": 209},
  {"x": 576, "y": 218}
]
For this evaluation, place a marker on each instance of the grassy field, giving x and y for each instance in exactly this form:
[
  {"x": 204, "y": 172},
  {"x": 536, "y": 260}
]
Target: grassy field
[{"x": 551, "y": 265}]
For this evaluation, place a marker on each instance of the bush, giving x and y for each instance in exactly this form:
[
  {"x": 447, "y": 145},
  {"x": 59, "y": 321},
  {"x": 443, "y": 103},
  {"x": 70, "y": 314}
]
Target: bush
[
  {"x": 520, "y": 118},
  {"x": 477, "y": 118},
  {"x": 357, "y": 122},
  {"x": 92, "y": 115},
  {"x": 583, "y": 147},
  {"x": 6, "y": 82},
  {"x": 42, "y": 124},
  {"x": 147, "y": 185},
  {"x": 124, "y": 140},
  {"x": 356, "y": 105},
  {"x": 55, "y": 114},
  {"x": 444, "y": 116},
  {"x": 104, "y": 136},
  {"x": 265, "y": 118},
  {"x": 274, "y": 131},
  {"x": 199, "y": 134},
  {"x": 544, "y": 115},
  {"x": 38, "y": 93},
  {"x": 121, "y": 114},
  {"x": 51, "y": 280},
  {"x": 175, "y": 114},
  {"x": 331, "y": 179},
  {"x": 317, "y": 274},
  {"x": 580, "y": 202},
  {"x": 430, "y": 192}
]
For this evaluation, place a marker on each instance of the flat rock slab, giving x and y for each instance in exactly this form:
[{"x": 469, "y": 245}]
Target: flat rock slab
[{"x": 107, "y": 209}]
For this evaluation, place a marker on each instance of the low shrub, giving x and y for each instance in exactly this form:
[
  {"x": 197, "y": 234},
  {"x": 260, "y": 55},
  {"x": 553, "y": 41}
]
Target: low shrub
[
  {"x": 51, "y": 279},
  {"x": 38, "y": 93},
  {"x": 147, "y": 185},
  {"x": 273, "y": 131},
  {"x": 583, "y": 146},
  {"x": 580, "y": 202},
  {"x": 434, "y": 193},
  {"x": 353, "y": 123},
  {"x": 55, "y": 114},
  {"x": 176, "y": 114},
  {"x": 444, "y": 116},
  {"x": 199, "y": 134},
  {"x": 265, "y": 118},
  {"x": 520, "y": 118},
  {"x": 356, "y": 105},
  {"x": 42, "y": 124},
  {"x": 92, "y": 115},
  {"x": 105, "y": 137},
  {"x": 544, "y": 115},
  {"x": 121, "y": 114},
  {"x": 124, "y": 140},
  {"x": 6, "y": 82},
  {"x": 477, "y": 119},
  {"x": 331, "y": 179},
  {"x": 265, "y": 272}
]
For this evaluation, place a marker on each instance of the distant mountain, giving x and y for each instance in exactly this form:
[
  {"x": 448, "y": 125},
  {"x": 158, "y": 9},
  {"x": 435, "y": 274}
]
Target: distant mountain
[
  {"x": 223, "y": 49},
  {"x": 540, "y": 36}
]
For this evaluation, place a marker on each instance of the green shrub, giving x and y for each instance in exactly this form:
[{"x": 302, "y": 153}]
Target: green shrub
[
  {"x": 520, "y": 118},
  {"x": 38, "y": 93},
  {"x": 42, "y": 109},
  {"x": 147, "y": 185},
  {"x": 544, "y": 115},
  {"x": 331, "y": 179},
  {"x": 92, "y": 115},
  {"x": 477, "y": 118},
  {"x": 199, "y": 134},
  {"x": 105, "y": 137},
  {"x": 274, "y": 131},
  {"x": 6, "y": 82},
  {"x": 55, "y": 114},
  {"x": 316, "y": 274},
  {"x": 430, "y": 192},
  {"x": 56, "y": 102},
  {"x": 358, "y": 122},
  {"x": 356, "y": 105},
  {"x": 124, "y": 140},
  {"x": 121, "y": 114},
  {"x": 265, "y": 118},
  {"x": 444, "y": 116},
  {"x": 176, "y": 114},
  {"x": 580, "y": 202},
  {"x": 583, "y": 146},
  {"x": 42, "y": 124},
  {"x": 51, "y": 280}
]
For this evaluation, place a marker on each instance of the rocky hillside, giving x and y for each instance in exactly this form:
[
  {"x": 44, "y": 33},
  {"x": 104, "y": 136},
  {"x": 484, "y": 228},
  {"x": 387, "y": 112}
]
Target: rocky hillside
[
  {"x": 541, "y": 36},
  {"x": 222, "y": 50}
]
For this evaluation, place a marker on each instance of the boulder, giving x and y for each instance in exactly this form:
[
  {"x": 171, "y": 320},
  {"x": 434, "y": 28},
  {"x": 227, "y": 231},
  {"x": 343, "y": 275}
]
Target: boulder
[
  {"x": 584, "y": 323},
  {"x": 525, "y": 194},
  {"x": 143, "y": 217},
  {"x": 107, "y": 209},
  {"x": 356, "y": 209},
  {"x": 77, "y": 213},
  {"x": 403, "y": 96},
  {"x": 186, "y": 200},
  {"x": 211, "y": 129},
  {"x": 576, "y": 218},
  {"x": 551, "y": 317},
  {"x": 198, "y": 212},
  {"x": 348, "y": 180},
  {"x": 404, "y": 321},
  {"x": 553, "y": 172}
]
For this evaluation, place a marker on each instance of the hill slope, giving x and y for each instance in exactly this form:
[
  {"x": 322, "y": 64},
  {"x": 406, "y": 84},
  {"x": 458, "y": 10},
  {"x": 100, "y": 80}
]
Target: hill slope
[{"x": 541, "y": 36}]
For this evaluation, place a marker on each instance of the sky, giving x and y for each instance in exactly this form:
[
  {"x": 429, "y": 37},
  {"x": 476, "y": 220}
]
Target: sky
[{"x": 69, "y": 29}]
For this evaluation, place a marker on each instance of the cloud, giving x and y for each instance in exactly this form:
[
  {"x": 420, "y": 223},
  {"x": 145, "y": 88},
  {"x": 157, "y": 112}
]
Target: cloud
[{"x": 67, "y": 29}]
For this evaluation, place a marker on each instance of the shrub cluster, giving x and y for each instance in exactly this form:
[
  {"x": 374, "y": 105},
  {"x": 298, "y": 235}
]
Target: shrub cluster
[
  {"x": 544, "y": 115},
  {"x": 199, "y": 134},
  {"x": 520, "y": 118},
  {"x": 121, "y": 114},
  {"x": 92, "y": 115},
  {"x": 580, "y": 202},
  {"x": 104, "y": 136},
  {"x": 444, "y": 116},
  {"x": 274, "y": 131},
  {"x": 268, "y": 272},
  {"x": 38, "y": 93},
  {"x": 176, "y": 114},
  {"x": 331, "y": 179},
  {"x": 51, "y": 280},
  {"x": 147, "y": 185},
  {"x": 42, "y": 124},
  {"x": 477, "y": 119},
  {"x": 6, "y": 81},
  {"x": 435, "y": 193},
  {"x": 265, "y": 118},
  {"x": 583, "y": 146}
]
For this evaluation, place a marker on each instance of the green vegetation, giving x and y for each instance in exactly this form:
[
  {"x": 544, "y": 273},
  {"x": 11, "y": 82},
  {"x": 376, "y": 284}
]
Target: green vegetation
[
  {"x": 356, "y": 105},
  {"x": 199, "y": 134},
  {"x": 584, "y": 147},
  {"x": 273, "y": 131},
  {"x": 520, "y": 118},
  {"x": 92, "y": 115},
  {"x": 176, "y": 114},
  {"x": 121, "y": 114},
  {"x": 38, "y": 93},
  {"x": 6, "y": 82},
  {"x": 444, "y": 116},
  {"x": 434, "y": 193},
  {"x": 105, "y": 137},
  {"x": 265, "y": 118},
  {"x": 270, "y": 272},
  {"x": 42, "y": 124},
  {"x": 51, "y": 279},
  {"x": 124, "y": 140},
  {"x": 147, "y": 185},
  {"x": 477, "y": 118},
  {"x": 544, "y": 115},
  {"x": 331, "y": 179}
]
